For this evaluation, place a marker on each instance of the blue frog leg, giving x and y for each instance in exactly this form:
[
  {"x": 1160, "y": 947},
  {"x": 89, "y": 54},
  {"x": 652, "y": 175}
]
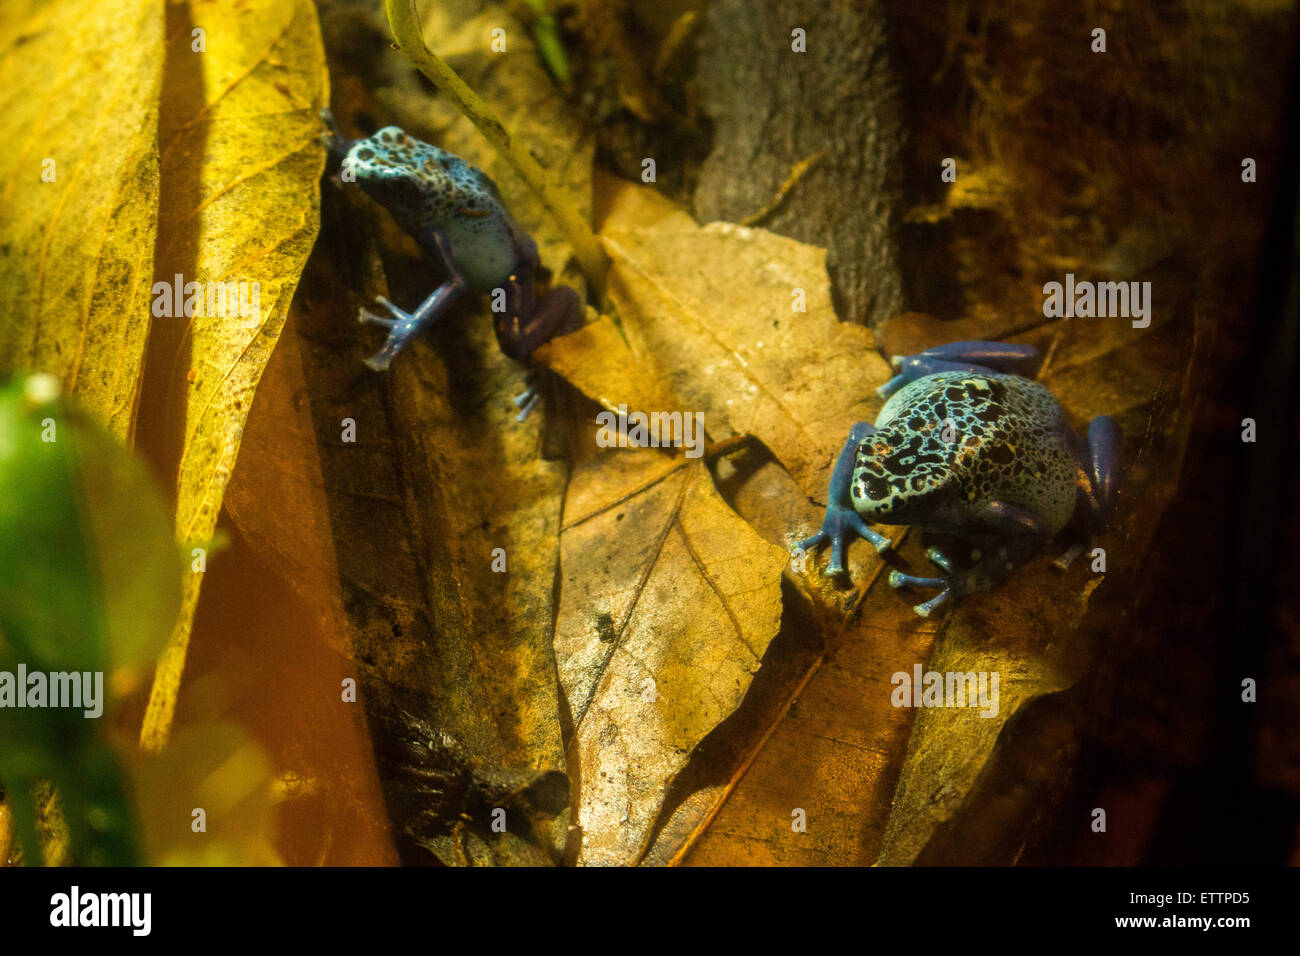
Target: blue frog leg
[
  {"x": 972, "y": 356},
  {"x": 403, "y": 326},
  {"x": 842, "y": 521},
  {"x": 1021, "y": 533}
]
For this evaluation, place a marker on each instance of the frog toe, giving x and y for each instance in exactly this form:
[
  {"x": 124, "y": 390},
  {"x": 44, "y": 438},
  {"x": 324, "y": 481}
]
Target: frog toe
[
  {"x": 939, "y": 559},
  {"x": 809, "y": 544},
  {"x": 878, "y": 541},
  {"x": 836, "y": 565},
  {"x": 526, "y": 401},
  {"x": 926, "y": 608},
  {"x": 1066, "y": 558},
  {"x": 897, "y": 579},
  {"x": 401, "y": 315},
  {"x": 366, "y": 317}
]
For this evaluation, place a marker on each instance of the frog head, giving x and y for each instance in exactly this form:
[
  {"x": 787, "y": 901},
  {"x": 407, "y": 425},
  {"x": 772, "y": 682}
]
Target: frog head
[
  {"x": 392, "y": 169},
  {"x": 902, "y": 476}
]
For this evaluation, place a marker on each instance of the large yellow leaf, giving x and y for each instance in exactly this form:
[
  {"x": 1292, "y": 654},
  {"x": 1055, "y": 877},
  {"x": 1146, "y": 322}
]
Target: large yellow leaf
[
  {"x": 241, "y": 161},
  {"x": 79, "y": 193}
]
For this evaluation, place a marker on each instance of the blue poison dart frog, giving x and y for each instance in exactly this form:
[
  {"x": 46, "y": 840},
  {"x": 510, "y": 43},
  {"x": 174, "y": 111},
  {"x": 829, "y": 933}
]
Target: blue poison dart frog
[
  {"x": 455, "y": 214},
  {"x": 965, "y": 445}
]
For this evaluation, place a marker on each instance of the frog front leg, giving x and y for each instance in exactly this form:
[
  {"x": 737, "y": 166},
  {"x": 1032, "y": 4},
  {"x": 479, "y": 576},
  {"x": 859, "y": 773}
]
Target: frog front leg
[
  {"x": 1018, "y": 533},
  {"x": 972, "y": 356},
  {"x": 842, "y": 521},
  {"x": 403, "y": 326}
]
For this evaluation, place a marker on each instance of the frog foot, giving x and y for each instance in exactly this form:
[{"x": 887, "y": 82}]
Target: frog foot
[
  {"x": 401, "y": 328},
  {"x": 527, "y": 400},
  {"x": 897, "y": 579},
  {"x": 839, "y": 526}
]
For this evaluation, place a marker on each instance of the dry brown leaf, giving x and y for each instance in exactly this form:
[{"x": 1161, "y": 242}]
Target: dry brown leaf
[
  {"x": 812, "y": 733},
  {"x": 715, "y": 307},
  {"x": 668, "y": 602},
  {"x": 241, "y": 160},
  {"x": 277, "y": 495},
  {"x": 835, "y": 754},
  {"x": 78, "y": 249},
  {"x": 610, "y": 369}
]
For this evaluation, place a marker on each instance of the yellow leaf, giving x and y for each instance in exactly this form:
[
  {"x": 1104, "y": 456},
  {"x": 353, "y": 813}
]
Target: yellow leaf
[
  {"x": 610, "y": 368},
  {"x": 241, "y": 161},
  {"x": 79, "y": 194}
]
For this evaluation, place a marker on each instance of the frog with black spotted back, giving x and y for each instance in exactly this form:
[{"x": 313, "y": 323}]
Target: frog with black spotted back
[
  {"x": 456, "y": 215},
  {"x": 967, "y": 445}
]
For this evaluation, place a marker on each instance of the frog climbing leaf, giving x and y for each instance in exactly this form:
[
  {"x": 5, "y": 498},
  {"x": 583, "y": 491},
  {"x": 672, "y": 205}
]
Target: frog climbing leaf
[
  {"x": 668, "y": 602},
  {"x": 457, "y": 217}
]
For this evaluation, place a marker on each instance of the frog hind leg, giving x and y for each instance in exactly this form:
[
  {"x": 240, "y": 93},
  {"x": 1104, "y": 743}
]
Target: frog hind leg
[
  {"x": 1104, "y": 467},
  {"x": 404, "y": 326},
  {"x": 842, "y": 521},
  {"x": 1020, "y": 532},
  {"x": 970, "y": 356},
  {"x": 525, "y": 325},
  {"x": 1100, "y": 469}
]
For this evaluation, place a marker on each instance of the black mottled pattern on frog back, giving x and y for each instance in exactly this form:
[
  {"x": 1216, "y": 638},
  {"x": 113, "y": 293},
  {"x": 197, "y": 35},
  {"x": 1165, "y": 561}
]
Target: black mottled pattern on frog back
[
  {"x": 449, "y": 185},
  {"x": 949, "y": 443},
  {"x": 430, "y": 191}
]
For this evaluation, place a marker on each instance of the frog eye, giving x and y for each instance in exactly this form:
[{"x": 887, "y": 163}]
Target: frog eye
[{"x": 365, "y": 154}]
